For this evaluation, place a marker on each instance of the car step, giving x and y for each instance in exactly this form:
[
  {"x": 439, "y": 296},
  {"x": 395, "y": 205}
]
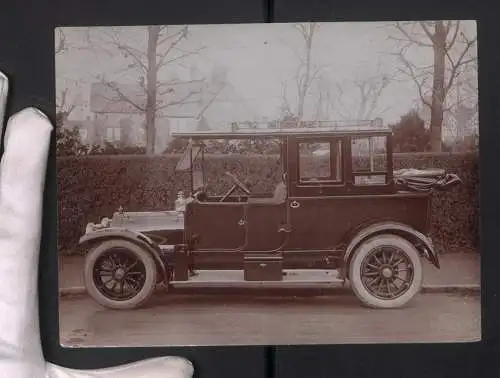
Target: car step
[{"x": 235, "y": 278}]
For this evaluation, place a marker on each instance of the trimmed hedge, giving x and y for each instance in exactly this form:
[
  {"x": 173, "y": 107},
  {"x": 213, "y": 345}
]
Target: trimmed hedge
[{"x": 91, "y": 187}]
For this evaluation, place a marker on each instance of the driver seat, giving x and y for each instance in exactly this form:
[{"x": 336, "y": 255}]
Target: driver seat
[{"x": 279, "y": 196}]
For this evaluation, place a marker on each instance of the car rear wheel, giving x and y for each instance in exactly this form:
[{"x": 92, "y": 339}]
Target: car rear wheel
[
  {"x": 120, "y": 274},
  {"x": 386, "y": 272}
]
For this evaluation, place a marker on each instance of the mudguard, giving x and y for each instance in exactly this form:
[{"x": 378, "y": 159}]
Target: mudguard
[
  {"x": 135, "y": 237},
  {"x": 419, "y": 240}
]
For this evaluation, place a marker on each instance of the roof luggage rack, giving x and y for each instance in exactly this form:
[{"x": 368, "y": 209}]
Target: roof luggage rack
[{"x": 288, "y": 128}]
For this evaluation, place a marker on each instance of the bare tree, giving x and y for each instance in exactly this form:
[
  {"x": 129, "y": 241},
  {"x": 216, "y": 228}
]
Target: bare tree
[
  {"x": 163, "y": 48},
  {"x": 64, "y": 107},
  {"x": 358, "y": 99},
  {"x": 370, "y": 91},
  {"x": 306, "y": 72},
  {"x": 451, "y": 51},
  {"x": 327, "y": 94},
  {"x": 465, "y": 88},
  {"x": 462, "y": 102},
  {"x": 312, "y": 80}
]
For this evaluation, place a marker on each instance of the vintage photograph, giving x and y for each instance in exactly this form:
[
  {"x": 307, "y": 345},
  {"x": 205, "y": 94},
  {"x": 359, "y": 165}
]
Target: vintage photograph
[{"x": 268, "y": 184}]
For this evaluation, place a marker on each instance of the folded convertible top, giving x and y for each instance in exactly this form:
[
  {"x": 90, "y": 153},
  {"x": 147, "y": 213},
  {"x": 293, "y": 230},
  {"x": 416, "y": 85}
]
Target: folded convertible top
[{"x": 424, "y": 180}]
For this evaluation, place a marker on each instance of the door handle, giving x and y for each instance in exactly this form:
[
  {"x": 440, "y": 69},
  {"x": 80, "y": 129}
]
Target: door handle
[
  {"x": 241, "y": 222},
  {"x": 284, "y": 228},
  {"x": 294, "y": 204}
]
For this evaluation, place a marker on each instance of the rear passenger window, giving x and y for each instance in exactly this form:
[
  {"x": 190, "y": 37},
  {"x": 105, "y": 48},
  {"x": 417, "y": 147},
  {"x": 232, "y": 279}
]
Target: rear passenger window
[
  {"x": 369, "y": 160},
  {"x": 320, "y": 162}
]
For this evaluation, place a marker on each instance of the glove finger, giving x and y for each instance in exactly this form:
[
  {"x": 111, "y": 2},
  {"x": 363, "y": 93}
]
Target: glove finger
[
  {"x": 163, "y": 367},
  {"x": 22, "y": 173}
]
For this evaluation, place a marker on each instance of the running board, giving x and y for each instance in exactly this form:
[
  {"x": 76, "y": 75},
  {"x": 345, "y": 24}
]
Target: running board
[{"x": 306, "y": 278}]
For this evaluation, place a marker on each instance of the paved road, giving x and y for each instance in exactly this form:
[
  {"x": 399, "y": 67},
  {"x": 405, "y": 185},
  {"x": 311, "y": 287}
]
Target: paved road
[{"x": 225, "y": 320}]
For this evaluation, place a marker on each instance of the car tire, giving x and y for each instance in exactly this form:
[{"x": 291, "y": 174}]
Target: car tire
[
  {"x": 142, "y": 256},
  {"x": 359, "y": 262}
]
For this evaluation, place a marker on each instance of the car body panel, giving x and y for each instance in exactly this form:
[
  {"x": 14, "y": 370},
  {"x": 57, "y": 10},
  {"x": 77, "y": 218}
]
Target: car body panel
[{"x": 339, "y": 215}]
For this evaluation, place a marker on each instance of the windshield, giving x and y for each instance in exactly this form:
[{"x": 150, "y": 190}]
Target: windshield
[
  {"x": 272, "y": 149},
  {"x": 192, "y": 160},
  {"x": 188, "y": 157}
]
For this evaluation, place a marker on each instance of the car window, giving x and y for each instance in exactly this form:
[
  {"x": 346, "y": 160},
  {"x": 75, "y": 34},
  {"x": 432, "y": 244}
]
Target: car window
[
  {"x": 319, "y": 162},
  {"x": 369, "y": 160}
]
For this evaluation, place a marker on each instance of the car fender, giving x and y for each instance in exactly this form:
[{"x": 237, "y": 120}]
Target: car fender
[
  {"x": 142, "y": 240},
  {"x": 420, "y": 241}
]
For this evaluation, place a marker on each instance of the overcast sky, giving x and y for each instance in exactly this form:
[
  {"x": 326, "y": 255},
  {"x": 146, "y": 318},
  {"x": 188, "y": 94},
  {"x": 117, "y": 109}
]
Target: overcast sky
[{"x": 258, "y": 58}]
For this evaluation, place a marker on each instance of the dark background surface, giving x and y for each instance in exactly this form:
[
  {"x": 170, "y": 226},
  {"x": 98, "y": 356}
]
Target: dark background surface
[{"x": 27, "y": 57}]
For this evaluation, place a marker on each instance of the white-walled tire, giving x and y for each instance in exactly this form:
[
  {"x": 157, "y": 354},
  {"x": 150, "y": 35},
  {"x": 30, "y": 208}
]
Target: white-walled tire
[
  {"x": 377, "y": 281},
  {"x": 119, "y": 274}
]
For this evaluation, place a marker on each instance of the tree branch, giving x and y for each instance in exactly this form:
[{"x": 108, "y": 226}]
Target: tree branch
[
  {"x": 414, "y": 77},
  {"x": 409, "y": 38},
  {"x": 183, "y": 31},
  {"x": 129, "y": 51},
  {"x": 61, "y": 45},
  {"x": 211, "y": 101},
  {"x": 448, "y": 26},
  {"x": 340, "y": 102},
  {"x": 164, "y": 61},
  {"x": 305, "y": 85},
  {"x": 458, "y": 103},
  {"x": 137, "y": 58},
  {"x": 427, "y": 32},
  {"x": 454, "y": 38},
  {"x": 459, "y": 63},
  {"x": 181, "y": 101},
  {"x": 163, "y": 56},
  {"x": 284, "y": 100},
  {"x": 170, "y": 84},
  {"x": 62, "y": 107},
  {"x": 121, "y": 96},
  {"x": 378, "y": 89}
]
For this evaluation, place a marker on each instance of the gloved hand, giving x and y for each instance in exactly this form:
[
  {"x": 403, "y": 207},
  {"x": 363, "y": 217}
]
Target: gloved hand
[{"x": 22, "y": 174}]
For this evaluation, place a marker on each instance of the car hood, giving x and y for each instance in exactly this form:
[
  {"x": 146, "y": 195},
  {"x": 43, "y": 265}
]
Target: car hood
[{"x": 148, "y": 220}]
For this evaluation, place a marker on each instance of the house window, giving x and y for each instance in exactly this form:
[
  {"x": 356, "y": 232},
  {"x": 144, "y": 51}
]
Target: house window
[
  {"x": 84, "y": 134},
  {"x": 113, "y": 134},
  {"x": 320, "y": 162},
  {"x": 369, "y": 160},
  {"x": 109, "y": 134}
]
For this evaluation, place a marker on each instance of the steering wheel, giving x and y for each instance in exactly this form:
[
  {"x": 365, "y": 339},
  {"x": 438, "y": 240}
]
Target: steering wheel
[
  {"x": 199, "y": 194},
  {"x": 237, "y": 184}
]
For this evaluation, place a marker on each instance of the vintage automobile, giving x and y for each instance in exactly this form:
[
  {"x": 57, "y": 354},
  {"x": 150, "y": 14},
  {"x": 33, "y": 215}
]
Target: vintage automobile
[{"x": 339, "y": 216}]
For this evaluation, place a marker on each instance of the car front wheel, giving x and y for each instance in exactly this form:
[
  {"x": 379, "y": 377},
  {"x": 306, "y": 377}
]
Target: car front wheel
[
  {"x": 120, "y": 274},
  {"x": 385, "y": 272}
]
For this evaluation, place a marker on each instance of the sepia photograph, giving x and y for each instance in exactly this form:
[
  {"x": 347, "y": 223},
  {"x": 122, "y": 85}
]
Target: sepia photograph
[{"x": 268, "y": 184}]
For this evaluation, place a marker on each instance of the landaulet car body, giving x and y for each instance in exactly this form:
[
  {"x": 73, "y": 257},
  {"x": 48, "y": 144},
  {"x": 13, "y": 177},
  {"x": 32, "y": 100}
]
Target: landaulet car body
[{"x": 340, "y": 214}]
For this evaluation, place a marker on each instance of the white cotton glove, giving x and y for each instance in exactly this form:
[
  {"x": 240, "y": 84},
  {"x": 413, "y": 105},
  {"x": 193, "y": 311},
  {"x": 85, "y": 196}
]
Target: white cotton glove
[{"x": 22, "y": 175}]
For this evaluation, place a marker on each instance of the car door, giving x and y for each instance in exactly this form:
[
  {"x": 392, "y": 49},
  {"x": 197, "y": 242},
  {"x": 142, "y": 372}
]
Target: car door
[
  {"x": 265, "y": 227},
  {"x": 218, "y": 225},
  {"x": 316, "y": 172}
]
